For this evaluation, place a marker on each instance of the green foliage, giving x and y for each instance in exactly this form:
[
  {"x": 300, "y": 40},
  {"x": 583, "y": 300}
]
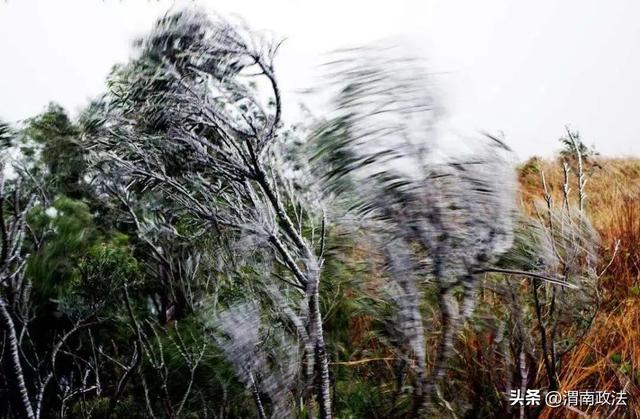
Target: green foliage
[
  {"x": 62, "y": 154},
  {"x": 100, "y": 275},
  {"x": 356, "y": 321},
  {"x": 66, "y": 231},
  {"x": 6, "y": 136},
  {"x": 572, "y": 143},
  {"x": 123, "y": 314}
]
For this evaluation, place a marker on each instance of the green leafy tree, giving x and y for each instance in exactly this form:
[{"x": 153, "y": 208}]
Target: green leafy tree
[{"x": 57, "y": 139}]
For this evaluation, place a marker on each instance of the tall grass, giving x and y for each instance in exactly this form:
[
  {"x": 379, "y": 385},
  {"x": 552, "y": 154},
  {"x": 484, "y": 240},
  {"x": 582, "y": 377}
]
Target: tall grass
[{"x": 608, "y": 357}]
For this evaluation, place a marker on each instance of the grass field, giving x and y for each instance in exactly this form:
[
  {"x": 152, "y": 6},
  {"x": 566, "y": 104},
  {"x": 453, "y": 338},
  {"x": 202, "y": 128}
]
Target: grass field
[{"x": 608, "y": 357}]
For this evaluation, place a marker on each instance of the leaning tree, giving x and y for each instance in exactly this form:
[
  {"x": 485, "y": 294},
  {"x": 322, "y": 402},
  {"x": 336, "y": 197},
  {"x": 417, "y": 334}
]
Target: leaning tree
[
  {"x": 441, "y": 220},
  {"x": 197, "y": 117}
]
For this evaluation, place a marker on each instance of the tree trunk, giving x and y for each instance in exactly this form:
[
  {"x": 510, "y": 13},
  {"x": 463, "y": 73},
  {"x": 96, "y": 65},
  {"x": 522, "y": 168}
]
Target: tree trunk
[
  {"x": 256, "y": 398},
  {"x": 14, "y": 367},
  {"x": 322, "y": 362},
  {"x": 450, "y": 322}
]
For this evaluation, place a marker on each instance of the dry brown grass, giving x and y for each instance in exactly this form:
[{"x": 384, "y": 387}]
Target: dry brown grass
[{"x": 608, "y": 358}]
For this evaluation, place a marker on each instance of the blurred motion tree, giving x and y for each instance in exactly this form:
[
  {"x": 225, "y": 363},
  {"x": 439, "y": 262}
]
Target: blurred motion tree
[{"x": 181, "y": 251}]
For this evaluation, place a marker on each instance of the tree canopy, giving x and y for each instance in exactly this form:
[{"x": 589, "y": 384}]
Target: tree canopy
[{"x": 178, "y": 250}]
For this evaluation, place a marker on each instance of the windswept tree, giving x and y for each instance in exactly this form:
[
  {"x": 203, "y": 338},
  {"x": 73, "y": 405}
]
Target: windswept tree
[
  {"x": 5, "y": 136},
  {"x": 197, "y": 117},
  {"x": 196, "y": 120},
  {"x": 14, "y": 294},
  {"x": 444, "y": 221},
  {"x": 51, "y": 301},
  {"x": 179, "y": 250}
]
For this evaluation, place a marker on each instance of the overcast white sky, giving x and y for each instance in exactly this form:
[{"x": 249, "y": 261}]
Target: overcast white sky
[{"x": 524, "y": 68}]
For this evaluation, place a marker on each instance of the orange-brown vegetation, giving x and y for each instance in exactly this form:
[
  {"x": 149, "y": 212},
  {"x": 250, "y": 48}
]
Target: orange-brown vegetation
[{"x": 608, "y": 357}]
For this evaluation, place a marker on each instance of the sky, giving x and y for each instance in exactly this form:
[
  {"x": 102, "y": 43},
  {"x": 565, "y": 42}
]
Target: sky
[{"x": 522, "y": 69}]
